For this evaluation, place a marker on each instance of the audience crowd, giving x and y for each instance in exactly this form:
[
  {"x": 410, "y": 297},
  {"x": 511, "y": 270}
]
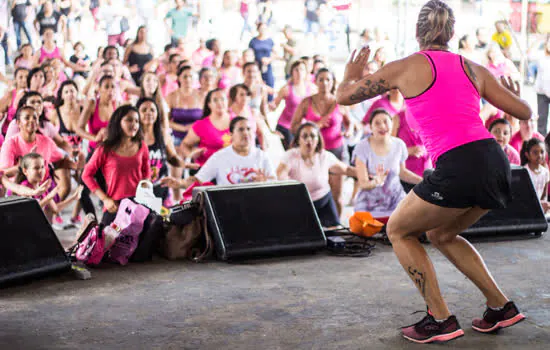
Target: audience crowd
[{"x": 77, "y": 125}]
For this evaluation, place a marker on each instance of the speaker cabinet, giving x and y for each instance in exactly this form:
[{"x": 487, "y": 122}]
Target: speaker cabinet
[
  {"x": 264, "y": 219},
  {"x": 29, "y": 248},
  {"x": 523, "y": 215}
]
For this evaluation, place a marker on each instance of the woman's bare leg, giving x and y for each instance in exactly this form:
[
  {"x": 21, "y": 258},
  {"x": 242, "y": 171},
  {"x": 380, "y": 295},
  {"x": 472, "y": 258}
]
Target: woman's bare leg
[
  {"x": 465, "y": 257},
  {"x": 336, "y": 183},
  {"x": 412, "y": 217}
]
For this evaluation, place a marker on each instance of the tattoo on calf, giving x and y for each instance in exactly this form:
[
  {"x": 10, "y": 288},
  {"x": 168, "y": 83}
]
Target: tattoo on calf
[
  {"x": 370, "y": 89},
  {"x": 419, "y": 279}
]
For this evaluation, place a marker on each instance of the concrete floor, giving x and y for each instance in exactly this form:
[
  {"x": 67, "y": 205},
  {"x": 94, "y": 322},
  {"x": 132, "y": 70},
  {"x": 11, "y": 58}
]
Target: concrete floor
[{"x": 308, "y": 302}]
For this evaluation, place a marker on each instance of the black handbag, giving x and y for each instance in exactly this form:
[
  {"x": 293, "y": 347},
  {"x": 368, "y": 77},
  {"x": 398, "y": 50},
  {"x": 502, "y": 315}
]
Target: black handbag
[{"x": 183, "y": 214}]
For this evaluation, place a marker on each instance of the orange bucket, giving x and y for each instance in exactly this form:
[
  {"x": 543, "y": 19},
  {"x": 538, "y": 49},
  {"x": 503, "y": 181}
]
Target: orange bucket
[{"x": 362, "y": 223}]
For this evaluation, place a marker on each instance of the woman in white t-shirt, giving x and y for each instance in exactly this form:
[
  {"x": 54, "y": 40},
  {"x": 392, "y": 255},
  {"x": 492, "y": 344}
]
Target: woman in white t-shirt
[
  {"x": 308, "y": 162},
  {"x": 532, "y": 157},
  {"x": 239, "y": 163}
]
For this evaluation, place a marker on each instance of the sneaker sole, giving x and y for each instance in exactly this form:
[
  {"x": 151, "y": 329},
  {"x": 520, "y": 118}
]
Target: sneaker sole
[
  {"x": 502, "y": 324},
  {"x": 439, "y": 338}
]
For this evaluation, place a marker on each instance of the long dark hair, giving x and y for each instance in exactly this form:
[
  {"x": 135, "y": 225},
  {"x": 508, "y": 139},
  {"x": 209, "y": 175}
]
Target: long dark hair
[
  {"x": 181, "y": 70},
  {"x": 21, "y": 69},
  {"x": 296, "y": 141},
  {"x": 326, "y": 70},
  {"x": 157, "y": 127},
  {"x": 526, "y": 148},
  {"x": 23, "y": 103},
  {"x": 114, "y": 130},
  {"x": 32, "y": 73},
  {"x": 59, "y": 100},
  {"x": 206, "y": 111}
]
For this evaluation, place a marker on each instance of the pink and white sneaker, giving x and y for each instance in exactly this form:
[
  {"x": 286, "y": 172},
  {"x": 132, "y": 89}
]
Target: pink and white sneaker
[
  {"x": 428, "y": 330},
  {"x": 493, "y": 320}
]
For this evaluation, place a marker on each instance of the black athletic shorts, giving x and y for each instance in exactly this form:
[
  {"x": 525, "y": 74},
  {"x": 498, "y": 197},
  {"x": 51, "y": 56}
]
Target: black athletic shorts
[{"x": 475, "y": 174}]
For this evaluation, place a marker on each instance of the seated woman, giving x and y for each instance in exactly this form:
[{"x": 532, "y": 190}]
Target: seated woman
[
  {"x": 211, "y": 133},
  {"x": 380, "y": 161},
  {"x": 161, "y": 148},
  {"x": 502, "y": 130},
  {"x": 239, "y": 163},
  {"x": 310, "y": 163},
  {"x": 123, "y": 159},
  {"x": 29, "y": 140}
]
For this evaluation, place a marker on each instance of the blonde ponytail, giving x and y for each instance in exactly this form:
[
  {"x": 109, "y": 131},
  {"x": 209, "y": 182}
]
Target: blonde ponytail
[{"x": 435, "y": 25}]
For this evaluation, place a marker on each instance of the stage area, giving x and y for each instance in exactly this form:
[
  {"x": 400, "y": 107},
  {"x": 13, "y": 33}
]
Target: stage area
[{"x": 308, "y": 302}]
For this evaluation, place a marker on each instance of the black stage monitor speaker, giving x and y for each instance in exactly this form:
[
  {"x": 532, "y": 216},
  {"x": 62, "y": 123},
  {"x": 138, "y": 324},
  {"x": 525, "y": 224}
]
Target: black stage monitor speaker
[
  {"x": 523, "y": 215},
  {"x": 255, "y": 220},
  {"x": 29, "y": 246}
]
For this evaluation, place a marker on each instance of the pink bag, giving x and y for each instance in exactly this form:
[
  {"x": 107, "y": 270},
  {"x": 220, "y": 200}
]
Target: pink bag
[
  {"x": 91, "y": 248},
  {"x": 129, "y": 223}
]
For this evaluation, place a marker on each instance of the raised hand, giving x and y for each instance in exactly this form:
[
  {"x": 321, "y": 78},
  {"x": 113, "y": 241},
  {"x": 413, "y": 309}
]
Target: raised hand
[
  {"x": 381, "y": 175},
  {"x": 356, "y": 64},
  {"x": 43, "y": 188},
  {"x": 511, "y": 85}
]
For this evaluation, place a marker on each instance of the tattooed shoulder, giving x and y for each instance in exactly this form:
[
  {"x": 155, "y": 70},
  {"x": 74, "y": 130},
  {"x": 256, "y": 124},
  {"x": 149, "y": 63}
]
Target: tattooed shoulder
[
  {"x": 470, "y": 70},
  {"x": 370, "y": 89}
]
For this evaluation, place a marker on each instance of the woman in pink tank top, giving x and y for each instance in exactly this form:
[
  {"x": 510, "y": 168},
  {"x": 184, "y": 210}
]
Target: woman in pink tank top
[
  {"x": 332, "y": 120},
  {"x": 472, "y": 174},
  {"x": 169, "y": 79},
  {"x": 49, "y": 50},
  {"x": 211, "y": 133},
  {"x": 96, "y": 114},
  {"x": 297, "y": 88},
  {"x": 10, "y": 100}
]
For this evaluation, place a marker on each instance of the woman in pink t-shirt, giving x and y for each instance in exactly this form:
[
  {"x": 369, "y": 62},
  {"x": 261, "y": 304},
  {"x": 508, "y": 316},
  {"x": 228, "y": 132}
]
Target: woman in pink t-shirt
[
  {"x": 332, "y": 120},
  {"x": 501, "y": 130},
  {"x": 309, "y": 163},
  {"x": 211, "y": 133},
  {"x": 29, "y": 140},
  {"x": 123, "y": 158}
]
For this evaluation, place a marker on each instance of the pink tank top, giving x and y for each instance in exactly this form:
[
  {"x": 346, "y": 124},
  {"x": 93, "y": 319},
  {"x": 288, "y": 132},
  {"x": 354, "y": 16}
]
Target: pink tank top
[
  {"x": 170, "y": 85},
  {"x": 211, "y": 138},
  {"x": 12, "y": 109},
  {"x": 45, "y": 55},
  {"x": 95, "y": 124},
  {"x": 291, "y": 103},
  {"x": 332, "y": 134},
  {"x": 447, "y": 120}
]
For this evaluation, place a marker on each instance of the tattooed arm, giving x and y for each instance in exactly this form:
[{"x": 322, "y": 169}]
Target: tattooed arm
[{"x": 356, "y": 88}]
